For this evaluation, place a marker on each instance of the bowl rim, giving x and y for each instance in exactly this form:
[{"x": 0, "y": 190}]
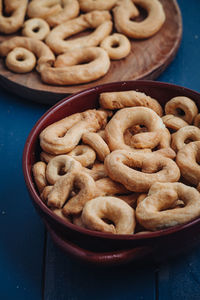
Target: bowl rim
[{"x": 47, "y": 211}]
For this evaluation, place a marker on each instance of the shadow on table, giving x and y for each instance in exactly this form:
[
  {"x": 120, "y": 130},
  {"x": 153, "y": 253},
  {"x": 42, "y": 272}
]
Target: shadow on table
[
  {"x": 175, "y": 278},
  {"x": 67, "y": 279}
]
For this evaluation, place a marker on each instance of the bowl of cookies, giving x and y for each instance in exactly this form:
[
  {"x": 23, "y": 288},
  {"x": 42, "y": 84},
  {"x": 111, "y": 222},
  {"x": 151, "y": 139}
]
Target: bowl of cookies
[{"x": 114, "y": 171}]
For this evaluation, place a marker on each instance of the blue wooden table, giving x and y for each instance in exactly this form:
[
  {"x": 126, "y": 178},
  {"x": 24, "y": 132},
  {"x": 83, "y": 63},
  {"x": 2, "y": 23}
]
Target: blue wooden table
[{"x": 31, "y": 266}]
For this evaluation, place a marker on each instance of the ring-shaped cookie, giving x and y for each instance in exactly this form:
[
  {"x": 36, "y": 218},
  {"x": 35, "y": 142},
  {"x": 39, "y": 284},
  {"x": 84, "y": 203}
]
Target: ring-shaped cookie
[
  {"x": 182, "y": 107},
  {"x": 58, "y": 41},
  {"x": 77, "y": 66},
  {"x": 128, "y": 117},
  {"x": 125, "y": 11},
  {"x": 117, "y": 100},
  {"x": 116, "y": 45},
  {"x": 173, "y": 123},
  {"x": 149, "y": 168},
  {"x": 60, "y": 191},
  {"x": 64, "y": 135},
  {"x": 20, "y": 60},
  {"x": 184, "y": 134},
  {"x": 155, "y": 212},
  {"x": 113, "y": 209},
  {"x": 17, "y": 12},
  {"x": 86, "y": 191},
  {"x": 89, "y": 5},
  {"x": 84, "y": 154},
  {"x": 41, "y": 50},
  {"x": 36, "y": 28},
  {"x": 59, "y": 166},
  {"x": 187, "y": 160}
]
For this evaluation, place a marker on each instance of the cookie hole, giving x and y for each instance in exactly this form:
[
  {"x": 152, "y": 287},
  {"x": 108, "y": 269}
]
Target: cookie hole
[
  {"x": 61, "y": 135},
  {"x": 142, "y": 15},
  {"x": 153, "y": 171},
  {"x": 139, "y": 169},
  {"x": 20, "y": 57},
  {"x": 72, "y": 194},
  {"x": 78, "y": 35},
  {"x": 156, "y": 148},
  {"x": 198, "y": 158},
  {"x": 175, "y": 205},
  {"x": 189, "y": 140},
  {"x": 158, "y": 169},
  {"x": 62, "y": 4},
  {"x": 5, "y": 11},
  {"x": 180, "y": 112},
  {"x": 138, "y": 129},
  {"x": 36, "y": 29},
  {"x": 135, "y": 130},
  {"x": 61, "y": 170},
  {"x": 115, "y": 44},
  {"x": 130, "y": 132},
  {"x": 178, "y": 204},
  {"x": 76, "y": 190},
  {"x": 171, "y": 130},
  {"x": 77, "y": 186},
  {"x": 108, "y": 221},
  {"x": 7, "y": 14},
  {"x": 85, "y": 61}
]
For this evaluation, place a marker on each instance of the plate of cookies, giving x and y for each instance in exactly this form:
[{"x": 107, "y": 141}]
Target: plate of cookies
[
  {"x": 116, "y": 177},
  {"x": 52, "y": 48}
]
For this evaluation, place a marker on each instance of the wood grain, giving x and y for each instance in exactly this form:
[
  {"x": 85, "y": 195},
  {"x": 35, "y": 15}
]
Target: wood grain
[{"x": 147, "y": 60}]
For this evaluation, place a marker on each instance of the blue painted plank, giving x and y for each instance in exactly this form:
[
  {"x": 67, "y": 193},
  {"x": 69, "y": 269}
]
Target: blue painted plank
[
  {"x": 21, "y": 231},
  {"x": 185, "y": 69},
  {"x": 179, "y": 278},
  {"x": 66, "y": 279}
]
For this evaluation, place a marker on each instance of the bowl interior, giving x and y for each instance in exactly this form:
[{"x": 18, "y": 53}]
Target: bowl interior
[{"x": 79, "y": 102}]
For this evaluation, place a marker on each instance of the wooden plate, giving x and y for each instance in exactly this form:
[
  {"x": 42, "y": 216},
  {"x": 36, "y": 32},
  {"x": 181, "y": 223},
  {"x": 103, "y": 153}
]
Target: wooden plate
[{"x": 147, "y": 60}]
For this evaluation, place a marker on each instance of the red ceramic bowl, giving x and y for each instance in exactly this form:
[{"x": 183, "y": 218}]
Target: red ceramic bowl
[{"x": 96, "y": 247}]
